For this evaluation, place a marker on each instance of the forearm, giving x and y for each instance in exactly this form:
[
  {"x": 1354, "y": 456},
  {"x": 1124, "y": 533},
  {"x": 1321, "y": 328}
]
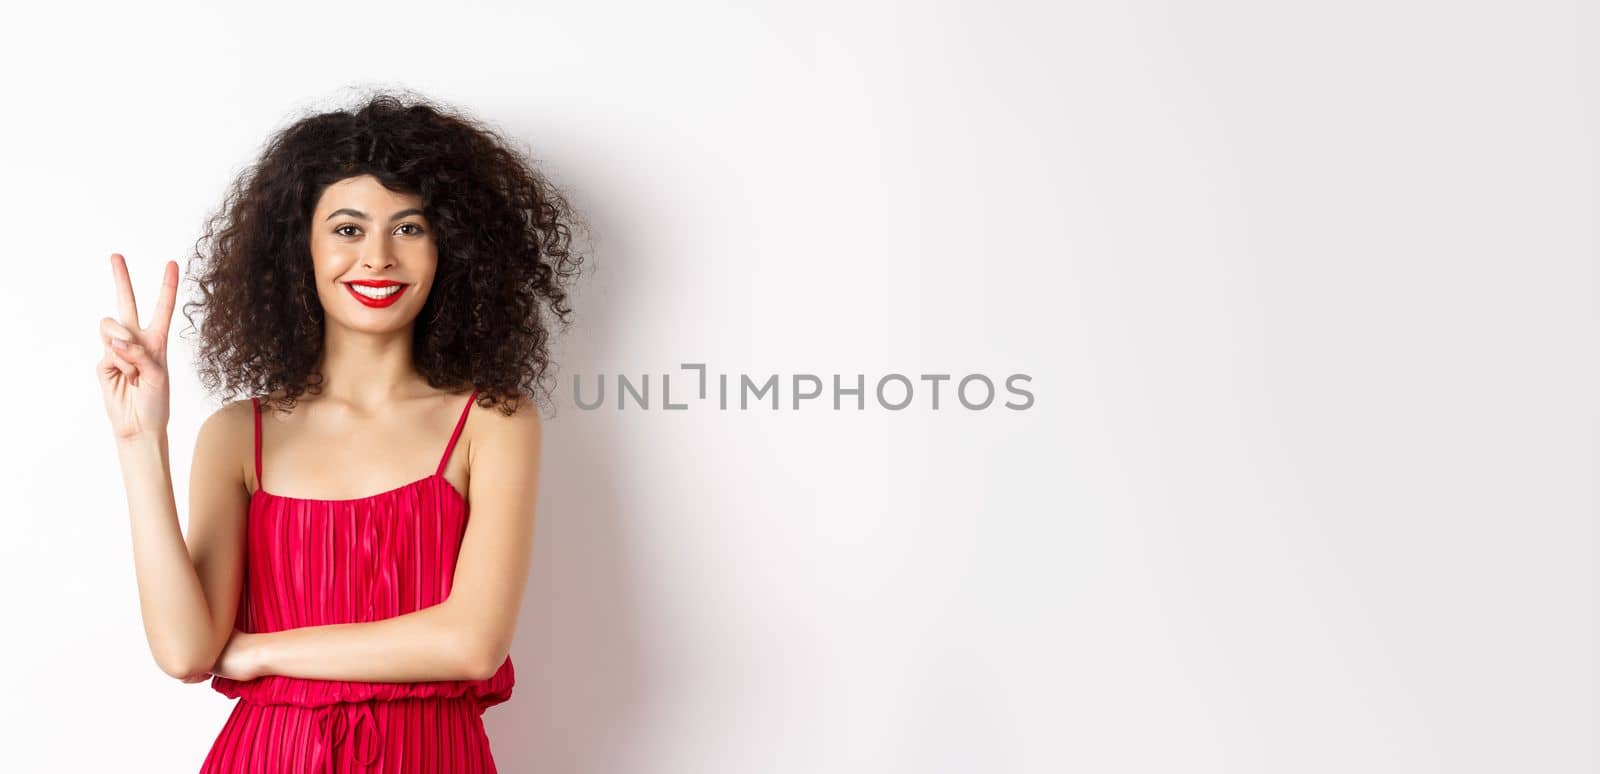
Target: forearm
[
  {"x": 427, "y": 644},
  {"x": 177, "y": 620}
]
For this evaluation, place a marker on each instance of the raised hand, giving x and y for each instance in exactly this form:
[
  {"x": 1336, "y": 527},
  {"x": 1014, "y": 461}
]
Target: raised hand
[{"x": 133, "y": 372}]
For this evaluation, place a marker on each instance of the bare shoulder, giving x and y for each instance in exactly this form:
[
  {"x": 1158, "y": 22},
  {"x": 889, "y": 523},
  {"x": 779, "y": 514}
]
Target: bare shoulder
[
  {"x": 226, "y": 422},
  {"x": 503, "y": 463},
  {"x": 498, "y": 438},
  {"x": 225, "y": 443},
  {"x": 520, "y": 428}
]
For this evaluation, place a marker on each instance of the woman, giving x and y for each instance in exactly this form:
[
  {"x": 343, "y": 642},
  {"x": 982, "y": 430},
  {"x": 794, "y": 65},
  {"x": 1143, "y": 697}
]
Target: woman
[{"x": 381, "y": 283}]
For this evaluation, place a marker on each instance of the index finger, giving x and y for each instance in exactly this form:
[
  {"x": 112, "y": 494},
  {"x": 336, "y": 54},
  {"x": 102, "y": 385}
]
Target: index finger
[{"x": 127, "y": 308}]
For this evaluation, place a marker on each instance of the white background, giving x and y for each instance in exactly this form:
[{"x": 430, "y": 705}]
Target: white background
[{"x": 1307, "y": 293}]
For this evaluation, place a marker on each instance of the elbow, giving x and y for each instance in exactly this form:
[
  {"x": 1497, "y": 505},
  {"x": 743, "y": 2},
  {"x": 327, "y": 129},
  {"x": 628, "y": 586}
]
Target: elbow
[
  {"x": 186, "y": 670},
  {"x": 479, "y": 650},
  {"x": 483, "y": 656},
  {"x": 172, "y": 669},
  {"x": 181, "y": 661}
]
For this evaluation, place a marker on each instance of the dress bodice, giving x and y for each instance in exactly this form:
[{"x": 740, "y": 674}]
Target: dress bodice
[{"x": 312, "y": 562}]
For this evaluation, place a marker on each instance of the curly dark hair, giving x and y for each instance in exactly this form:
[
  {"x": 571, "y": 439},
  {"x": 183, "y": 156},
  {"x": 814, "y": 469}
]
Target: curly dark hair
[{"x": 503, "y": 231}]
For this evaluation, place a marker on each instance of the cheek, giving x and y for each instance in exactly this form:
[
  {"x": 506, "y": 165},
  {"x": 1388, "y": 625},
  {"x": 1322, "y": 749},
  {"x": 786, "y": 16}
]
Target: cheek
[
  {"x": 428, "y": 269},
  {"x": 325, "y": 277},
  {"x": 329, "y": 261},
  {"x": 323, "y": 259}
]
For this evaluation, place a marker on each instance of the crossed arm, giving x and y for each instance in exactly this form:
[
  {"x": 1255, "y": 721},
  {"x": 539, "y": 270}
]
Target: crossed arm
[{"x": 465, "y": 637}]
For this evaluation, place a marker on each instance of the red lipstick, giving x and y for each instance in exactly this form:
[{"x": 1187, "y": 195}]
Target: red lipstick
[{"x": 377, "y": 285}]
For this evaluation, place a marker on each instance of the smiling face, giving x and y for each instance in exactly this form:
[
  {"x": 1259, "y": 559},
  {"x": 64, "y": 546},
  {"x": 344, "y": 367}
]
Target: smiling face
[{"x": 373, "y": 254}]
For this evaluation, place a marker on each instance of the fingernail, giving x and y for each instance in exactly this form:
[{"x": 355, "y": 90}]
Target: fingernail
[{"x": 119, "y": 343}]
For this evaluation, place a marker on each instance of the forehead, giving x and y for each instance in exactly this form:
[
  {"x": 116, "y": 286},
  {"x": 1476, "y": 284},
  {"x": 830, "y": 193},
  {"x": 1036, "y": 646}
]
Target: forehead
[{"x": 366, "y": 194}]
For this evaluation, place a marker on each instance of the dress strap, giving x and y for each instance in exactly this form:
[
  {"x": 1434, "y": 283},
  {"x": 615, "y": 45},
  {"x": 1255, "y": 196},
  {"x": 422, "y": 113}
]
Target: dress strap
[
  {"x": 457, "y": 434},
  {"x": 256, "y": 403}
]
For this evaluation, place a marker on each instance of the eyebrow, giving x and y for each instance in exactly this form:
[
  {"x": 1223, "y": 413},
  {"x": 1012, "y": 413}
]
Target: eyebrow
[{"x": 363, "y": 216}]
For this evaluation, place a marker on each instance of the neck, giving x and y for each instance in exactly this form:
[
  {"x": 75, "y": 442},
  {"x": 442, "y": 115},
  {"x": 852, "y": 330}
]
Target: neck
[{"x": 366, "y": 369}]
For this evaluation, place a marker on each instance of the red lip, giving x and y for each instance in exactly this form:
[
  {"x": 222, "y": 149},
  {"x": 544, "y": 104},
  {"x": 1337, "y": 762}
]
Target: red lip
[{"x": 376, "y": 302}]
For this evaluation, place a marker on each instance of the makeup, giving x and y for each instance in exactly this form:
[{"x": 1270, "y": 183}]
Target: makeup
[{"x": 376, "y": 293}]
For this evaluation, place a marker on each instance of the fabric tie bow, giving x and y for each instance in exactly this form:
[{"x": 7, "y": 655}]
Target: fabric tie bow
[{"x": 333, "y": 725}]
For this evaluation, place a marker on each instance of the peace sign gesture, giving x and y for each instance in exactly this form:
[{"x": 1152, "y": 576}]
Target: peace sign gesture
[{"x": 133, "y": 372}]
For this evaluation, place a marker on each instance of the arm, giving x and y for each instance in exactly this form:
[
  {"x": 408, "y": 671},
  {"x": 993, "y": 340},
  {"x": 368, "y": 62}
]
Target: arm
[
  {"x": 468, "y": 635},
  {"x": 183, "y": 589},
  {"x": 188, "y": 591}
]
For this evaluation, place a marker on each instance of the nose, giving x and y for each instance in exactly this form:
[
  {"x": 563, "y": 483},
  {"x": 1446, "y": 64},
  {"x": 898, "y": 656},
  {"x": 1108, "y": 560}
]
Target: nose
[{"x": 379, "y": 258}]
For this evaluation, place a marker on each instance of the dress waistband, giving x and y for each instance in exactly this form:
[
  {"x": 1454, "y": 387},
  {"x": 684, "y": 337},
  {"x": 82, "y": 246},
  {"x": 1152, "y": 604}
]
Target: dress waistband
[
  {"x": 349, "y": 731},
  {"x": 278, "y": 689}
]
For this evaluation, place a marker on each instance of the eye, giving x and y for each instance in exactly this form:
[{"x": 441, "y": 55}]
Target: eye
[
  {"x": 340, "y": 230},
  {"x": 412, "y": 225}
]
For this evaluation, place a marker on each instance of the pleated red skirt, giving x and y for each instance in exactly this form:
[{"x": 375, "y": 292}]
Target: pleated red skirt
[{"x": 400, "y": 736}]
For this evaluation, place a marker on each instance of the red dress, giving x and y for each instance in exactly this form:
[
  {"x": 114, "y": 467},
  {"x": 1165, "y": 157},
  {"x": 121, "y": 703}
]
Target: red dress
[{"x": 313, "y": 562}]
